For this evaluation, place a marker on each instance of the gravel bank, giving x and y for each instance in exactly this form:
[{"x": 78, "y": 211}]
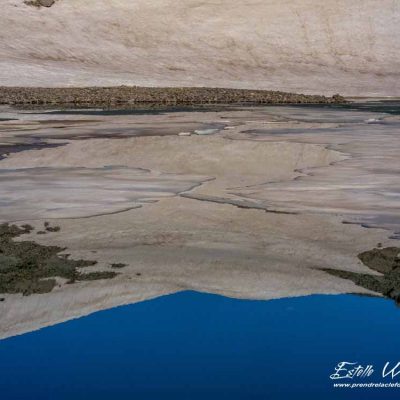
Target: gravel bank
[{"x": 128, "y": 95}]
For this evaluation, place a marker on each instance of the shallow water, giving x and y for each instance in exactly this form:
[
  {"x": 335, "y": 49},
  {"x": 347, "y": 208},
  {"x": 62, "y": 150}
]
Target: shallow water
[{"x": 196, "y": 346}]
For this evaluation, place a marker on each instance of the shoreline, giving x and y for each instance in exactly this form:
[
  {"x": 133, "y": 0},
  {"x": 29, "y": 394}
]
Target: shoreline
[{"x": 136, "y": 96}]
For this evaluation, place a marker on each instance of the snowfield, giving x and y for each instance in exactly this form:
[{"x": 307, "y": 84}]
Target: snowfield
[{"x": 310, "y": 46}]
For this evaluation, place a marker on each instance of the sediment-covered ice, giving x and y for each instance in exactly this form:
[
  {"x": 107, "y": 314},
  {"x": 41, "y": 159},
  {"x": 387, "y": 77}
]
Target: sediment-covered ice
[{"x": 254, "y": 211}]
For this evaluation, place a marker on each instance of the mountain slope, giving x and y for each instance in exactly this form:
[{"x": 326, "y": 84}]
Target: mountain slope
[{"x": 329, "y": 46}]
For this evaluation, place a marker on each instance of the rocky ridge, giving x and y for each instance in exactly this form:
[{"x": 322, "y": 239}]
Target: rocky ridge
[{"x": 128, "y": 95}]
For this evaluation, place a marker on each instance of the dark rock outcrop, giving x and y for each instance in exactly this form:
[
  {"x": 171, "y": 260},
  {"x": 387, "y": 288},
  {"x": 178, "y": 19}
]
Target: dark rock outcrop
[
  {"x": 40, "y": 3},
  {"x": 27, "y": 267},
  {"x": 387, "y": 262}
]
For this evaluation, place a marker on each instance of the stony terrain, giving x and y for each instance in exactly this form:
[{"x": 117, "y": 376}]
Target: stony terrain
[
  {"x": 40, "y": 3},
  {"x": 124, "y": 95},
  {"x": 386, "y": 261},
  {"x": 30, "y": 268}
]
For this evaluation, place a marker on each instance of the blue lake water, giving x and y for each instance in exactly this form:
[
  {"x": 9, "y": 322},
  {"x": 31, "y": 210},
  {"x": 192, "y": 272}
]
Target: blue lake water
[{"x": 200, "y": 346}]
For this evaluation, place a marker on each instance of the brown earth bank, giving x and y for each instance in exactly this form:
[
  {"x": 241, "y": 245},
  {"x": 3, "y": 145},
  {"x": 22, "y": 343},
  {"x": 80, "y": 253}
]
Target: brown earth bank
[{"x": 130, "y": 95}]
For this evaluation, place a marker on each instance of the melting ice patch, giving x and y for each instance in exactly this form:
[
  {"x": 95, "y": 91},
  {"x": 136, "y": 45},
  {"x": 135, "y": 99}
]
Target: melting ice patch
[{"x": 36, "y": 193}]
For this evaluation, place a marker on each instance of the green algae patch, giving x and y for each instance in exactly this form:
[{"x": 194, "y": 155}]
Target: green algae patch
[
  {"x": 385, "y": 261},
  {"x": 27, "y": 267}
]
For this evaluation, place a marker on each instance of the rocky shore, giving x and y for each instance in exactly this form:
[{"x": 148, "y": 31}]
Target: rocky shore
[
  {"x": 131, "y": 95},
  {"x": 27, "y": 267},
  {"x": 386, "y": 261}
]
